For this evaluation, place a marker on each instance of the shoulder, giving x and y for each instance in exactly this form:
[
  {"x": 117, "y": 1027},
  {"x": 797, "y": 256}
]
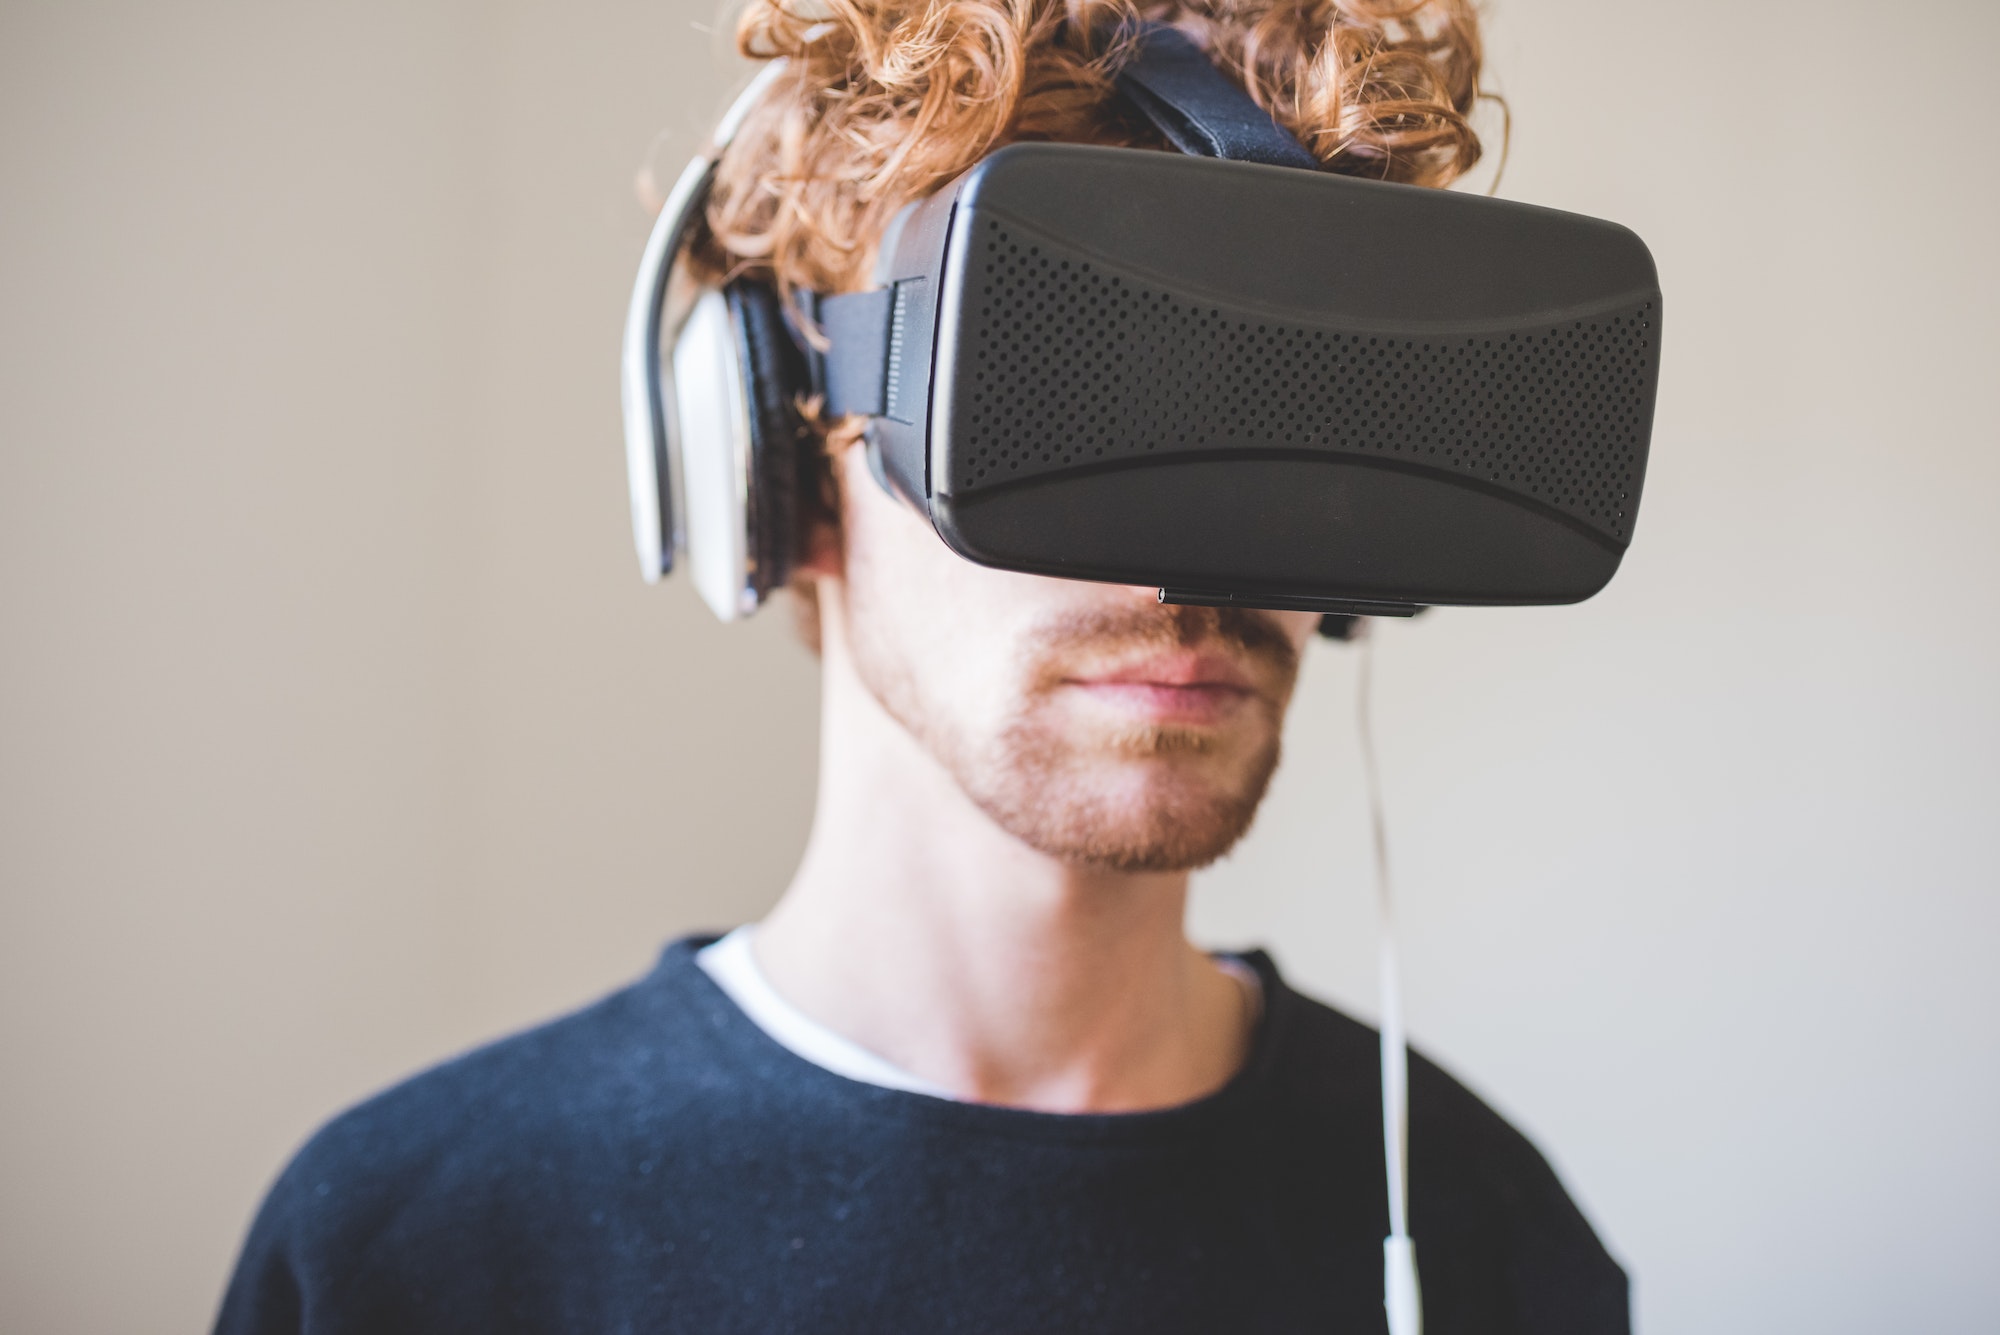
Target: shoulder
[
  {"x": 597, "y": 1061},
  {"x": 501, "y": 1133},
  {"x": 1483, "y": 1197}
]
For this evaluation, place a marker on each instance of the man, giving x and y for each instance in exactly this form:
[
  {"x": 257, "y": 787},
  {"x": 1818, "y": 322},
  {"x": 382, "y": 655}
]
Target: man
[{"x": 969, "y": 1074}]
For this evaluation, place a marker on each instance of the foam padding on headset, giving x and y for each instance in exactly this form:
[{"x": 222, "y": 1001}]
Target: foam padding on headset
[{"x": 774, "y": 374}]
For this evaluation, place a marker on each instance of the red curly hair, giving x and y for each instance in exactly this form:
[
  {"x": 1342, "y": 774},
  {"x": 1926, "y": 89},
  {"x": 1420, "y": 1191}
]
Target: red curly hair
[{"x": 885, "y": 101}]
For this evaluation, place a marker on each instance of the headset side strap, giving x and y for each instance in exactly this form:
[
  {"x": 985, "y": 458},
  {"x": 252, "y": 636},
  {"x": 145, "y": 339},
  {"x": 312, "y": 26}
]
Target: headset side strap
[{"x": 854, "y": 372}]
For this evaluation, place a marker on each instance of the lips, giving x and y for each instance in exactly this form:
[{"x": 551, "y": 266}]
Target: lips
[{"x": 1187, "y": 688}]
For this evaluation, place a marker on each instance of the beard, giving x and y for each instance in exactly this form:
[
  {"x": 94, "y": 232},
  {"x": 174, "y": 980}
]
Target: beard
[{"x": 1145, "y": 797}]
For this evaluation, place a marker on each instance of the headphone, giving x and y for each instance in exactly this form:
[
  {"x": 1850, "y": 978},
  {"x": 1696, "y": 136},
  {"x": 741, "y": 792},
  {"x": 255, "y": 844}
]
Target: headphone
[
  {"x": 713, "y": 444},
  {"x": 715, "y": 452}
]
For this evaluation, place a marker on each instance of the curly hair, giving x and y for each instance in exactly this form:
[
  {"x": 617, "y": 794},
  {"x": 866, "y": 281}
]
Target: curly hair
[{"x": 883, "y": 102}]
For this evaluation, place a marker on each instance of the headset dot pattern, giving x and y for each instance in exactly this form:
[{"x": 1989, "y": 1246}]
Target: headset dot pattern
[{"x": 1074, "y": 364}]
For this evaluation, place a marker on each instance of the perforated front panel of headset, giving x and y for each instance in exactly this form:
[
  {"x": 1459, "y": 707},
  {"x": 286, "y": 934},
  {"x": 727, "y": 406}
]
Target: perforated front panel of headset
[{"x": 1066, "y": 362}]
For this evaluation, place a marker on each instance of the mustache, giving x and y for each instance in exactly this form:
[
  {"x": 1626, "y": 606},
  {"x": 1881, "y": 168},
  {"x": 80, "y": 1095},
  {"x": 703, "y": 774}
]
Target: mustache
[{"x": 1250, "y": 633}]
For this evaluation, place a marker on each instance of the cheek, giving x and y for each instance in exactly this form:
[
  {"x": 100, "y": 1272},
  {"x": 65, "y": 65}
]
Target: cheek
[
  {"x": 945, "y": 623},
  {"x": 1302, "y": 628}
]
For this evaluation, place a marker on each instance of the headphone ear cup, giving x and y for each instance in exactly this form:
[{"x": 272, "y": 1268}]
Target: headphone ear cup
[{"x": 774, "y": 375}]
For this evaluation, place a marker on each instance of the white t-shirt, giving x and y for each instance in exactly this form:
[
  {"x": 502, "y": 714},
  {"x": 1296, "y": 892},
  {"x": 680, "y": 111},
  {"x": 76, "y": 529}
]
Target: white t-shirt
[{"x": 731, "y": 965}]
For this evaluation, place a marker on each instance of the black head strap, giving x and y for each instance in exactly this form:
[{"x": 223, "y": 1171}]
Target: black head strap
[
  {"x": 1171, "y": 82},
  {"x": 853, "y": 374}
]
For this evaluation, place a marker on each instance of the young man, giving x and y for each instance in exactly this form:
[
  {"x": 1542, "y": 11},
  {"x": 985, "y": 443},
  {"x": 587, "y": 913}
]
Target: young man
[{"x": 969, "y": 1074}]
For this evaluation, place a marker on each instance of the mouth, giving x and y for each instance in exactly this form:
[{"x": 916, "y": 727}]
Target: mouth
[{"x": 1186, "y": 689}]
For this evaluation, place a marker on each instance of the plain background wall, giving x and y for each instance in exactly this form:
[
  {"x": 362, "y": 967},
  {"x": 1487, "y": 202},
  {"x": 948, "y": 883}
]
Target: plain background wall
[{"x": 336, "y": 733}]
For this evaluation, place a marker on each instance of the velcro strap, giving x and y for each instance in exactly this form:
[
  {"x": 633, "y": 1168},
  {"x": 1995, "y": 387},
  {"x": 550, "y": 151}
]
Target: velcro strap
[{"x": 1200, "y": 110}]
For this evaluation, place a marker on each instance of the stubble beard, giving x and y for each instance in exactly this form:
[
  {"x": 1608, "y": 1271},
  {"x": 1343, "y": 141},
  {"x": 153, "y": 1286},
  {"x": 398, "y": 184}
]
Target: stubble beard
[{"x": 1063, "y": 791}]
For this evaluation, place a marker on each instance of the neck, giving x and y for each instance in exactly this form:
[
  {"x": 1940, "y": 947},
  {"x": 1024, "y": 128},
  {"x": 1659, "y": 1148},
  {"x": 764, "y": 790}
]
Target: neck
[{"x": 921, "y": 930}]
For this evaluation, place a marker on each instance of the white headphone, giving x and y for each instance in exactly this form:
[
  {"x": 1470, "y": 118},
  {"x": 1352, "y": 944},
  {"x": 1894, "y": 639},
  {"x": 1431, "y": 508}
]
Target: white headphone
[{"x": 712, "y": 445}]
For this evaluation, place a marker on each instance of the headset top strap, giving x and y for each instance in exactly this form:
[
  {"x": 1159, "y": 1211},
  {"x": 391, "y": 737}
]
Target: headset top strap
[{"x": 1200, "y": 110}]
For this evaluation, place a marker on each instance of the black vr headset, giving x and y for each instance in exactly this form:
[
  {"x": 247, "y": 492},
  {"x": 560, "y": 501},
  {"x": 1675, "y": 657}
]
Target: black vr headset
[{"x": 1224, "y": 373}]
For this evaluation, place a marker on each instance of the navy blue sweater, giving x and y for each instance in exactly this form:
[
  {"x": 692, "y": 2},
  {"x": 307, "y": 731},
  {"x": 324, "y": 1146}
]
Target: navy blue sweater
[{"x": 657, "y": 1163}]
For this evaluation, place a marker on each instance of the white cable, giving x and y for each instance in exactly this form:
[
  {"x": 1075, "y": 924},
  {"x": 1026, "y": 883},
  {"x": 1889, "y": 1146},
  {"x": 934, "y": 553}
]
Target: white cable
[{"x": 1400, "y": 1296}]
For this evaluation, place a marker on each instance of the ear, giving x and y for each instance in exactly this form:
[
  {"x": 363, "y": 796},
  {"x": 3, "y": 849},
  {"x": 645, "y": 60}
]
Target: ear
[{"x": 821, "y": 553}]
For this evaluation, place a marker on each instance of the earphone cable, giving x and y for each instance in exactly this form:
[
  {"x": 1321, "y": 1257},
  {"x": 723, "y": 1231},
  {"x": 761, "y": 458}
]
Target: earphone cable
[{"x": 1400, "y": 1295}]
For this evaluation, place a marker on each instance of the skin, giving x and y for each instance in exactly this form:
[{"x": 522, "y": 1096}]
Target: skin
[{"x": 1016, "y": 775}]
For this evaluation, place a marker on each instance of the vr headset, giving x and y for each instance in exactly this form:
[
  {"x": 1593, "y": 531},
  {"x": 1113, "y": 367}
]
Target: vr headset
[{"x": 1224, "y": 373}]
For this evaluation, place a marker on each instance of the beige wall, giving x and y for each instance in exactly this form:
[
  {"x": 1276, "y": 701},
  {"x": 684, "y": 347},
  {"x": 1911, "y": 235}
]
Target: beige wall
[{"x": 337, "y": 734}]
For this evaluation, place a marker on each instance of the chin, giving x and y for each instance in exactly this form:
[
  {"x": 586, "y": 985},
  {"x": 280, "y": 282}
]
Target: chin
[
  {"x": 1175, "y": 805},
  {"x": 1159, "y": 843}
]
